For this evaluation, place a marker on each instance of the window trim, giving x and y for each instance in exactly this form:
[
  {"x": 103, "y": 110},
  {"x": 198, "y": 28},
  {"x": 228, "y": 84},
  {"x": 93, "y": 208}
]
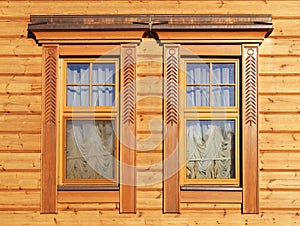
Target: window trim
[{"x": 204, "y": 113}]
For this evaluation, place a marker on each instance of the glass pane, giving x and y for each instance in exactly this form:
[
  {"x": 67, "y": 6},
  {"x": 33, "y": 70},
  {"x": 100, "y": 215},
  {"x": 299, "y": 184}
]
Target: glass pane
[
  {"x": 78, "y": 73},
  {"x": 197, "y": 73},
  {"x": 197, "y": 96},
  {"x": 223, "y": 73},
  {"x": 90, "y": 149},
  {"x": 103, "y": 73},
  {"x": 103, "y": 95},
  {"x": 223, "y": 96},
  {"x": 78, "y": 96},
  {"x": 210, "y": 149}
]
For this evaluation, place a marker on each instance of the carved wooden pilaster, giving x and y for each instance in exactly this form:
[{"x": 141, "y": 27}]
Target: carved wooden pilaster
[
  {"x": 128, "y": 128},
  {"x": 250, "y": 130},
  {"x": 171, "y": 147},
  {"x": 49, "y": 129}
]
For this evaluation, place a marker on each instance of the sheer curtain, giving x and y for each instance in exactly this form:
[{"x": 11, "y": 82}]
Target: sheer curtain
[
  {"x": 210, "y": 149},
  {"x": 90, "y": 143},
  {"x": 210, "y": 144}
]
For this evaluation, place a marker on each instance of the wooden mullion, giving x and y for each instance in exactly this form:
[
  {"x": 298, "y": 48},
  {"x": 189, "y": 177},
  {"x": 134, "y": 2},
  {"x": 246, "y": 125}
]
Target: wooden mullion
[
  {"x": 171, "y": 144},
  {"x": 49, "y": 129},
  {"x": 250, "y": 130}
]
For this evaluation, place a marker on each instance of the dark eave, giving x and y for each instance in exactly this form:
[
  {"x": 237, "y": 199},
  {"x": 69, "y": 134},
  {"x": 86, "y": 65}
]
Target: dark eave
[{"x": 200, "y": 22}]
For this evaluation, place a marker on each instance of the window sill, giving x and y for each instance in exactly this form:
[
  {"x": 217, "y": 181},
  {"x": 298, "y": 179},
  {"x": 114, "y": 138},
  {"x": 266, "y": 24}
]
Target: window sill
[{"x": 88, "y": 188}]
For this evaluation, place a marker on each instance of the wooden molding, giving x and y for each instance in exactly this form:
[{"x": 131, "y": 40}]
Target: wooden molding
[
  {"x": 171, "y": 144},
  {"x": 250, "y": 130},
  {"x": 49, "y": 129},
  {"x": 62, "y": 28},
  {"x": 88, "y": 196},
  {"x": 211, "y": 196},
  {"x": 128, "y": 129}
]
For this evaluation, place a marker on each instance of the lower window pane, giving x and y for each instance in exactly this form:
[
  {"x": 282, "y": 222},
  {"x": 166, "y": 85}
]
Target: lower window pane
[
  {"x": 90, "y": 152},
  {"x": 210, "y": 151}
]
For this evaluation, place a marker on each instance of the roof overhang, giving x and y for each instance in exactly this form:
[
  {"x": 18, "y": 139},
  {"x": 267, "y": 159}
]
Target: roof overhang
[{"x": 128, "y": 28}]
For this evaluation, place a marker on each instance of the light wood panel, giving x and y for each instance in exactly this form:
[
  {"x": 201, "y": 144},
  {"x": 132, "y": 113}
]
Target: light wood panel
[
  {"x": 280, "y": 200},
  {"x": 277, "y": 180},
  {"x": 280, "y": 47},
  {"x": 279, "y": 103},
  {"x": 19, "y": 200},
  {"x": 149, "y": 200},
  {"x": 275, "y": 141},
  {"x": 19, "y": 47},
  {"x": 20, "y": 104},
  {"x": 279, "y": 123},
  {"x": 20, "y": 85},
  {"x": 25, "y": 65},
  {"x": 20, "y": 161},
  {"x": 87, "y": 196},
  {"x": 279, "y": 65},
  {"x": 284, "y": 161},
  {"x": 19, "y": 180},
  {"x": 19, "y": 141},
  {"x": 20, "y": 123},
  {"x": 281, "y": 83}
]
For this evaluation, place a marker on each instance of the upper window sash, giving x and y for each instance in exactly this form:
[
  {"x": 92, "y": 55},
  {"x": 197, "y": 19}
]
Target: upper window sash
[{"x": 90, "y": 85}]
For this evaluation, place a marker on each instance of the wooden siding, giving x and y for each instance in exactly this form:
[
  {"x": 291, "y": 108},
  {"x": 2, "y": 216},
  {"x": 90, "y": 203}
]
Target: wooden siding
[{"x": 20, "y": 119}]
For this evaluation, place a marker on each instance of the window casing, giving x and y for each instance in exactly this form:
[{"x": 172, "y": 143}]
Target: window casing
[
  {"x": 89, "y": 150},
  {"x": 210, "y": 108}
]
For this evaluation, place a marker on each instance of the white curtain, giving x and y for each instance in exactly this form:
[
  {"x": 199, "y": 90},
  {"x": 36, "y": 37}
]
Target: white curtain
[
  {"x": 90, "y": 143},
  {"x": 198, "y": 80},
  {"x": 210, "y": 149},
  {"x": 90, "y": 149}
]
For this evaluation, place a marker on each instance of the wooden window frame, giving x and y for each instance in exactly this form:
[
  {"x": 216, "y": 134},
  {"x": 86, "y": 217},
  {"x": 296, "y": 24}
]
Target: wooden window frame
[{"x": 209, "y": 113}]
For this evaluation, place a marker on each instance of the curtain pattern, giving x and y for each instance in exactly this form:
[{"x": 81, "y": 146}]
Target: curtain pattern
[
  {"x": 210, "y": 149},
  {"x": 90, "y": 149}
]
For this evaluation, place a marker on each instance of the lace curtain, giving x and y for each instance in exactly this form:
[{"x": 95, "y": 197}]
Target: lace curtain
[
  {"x": 210, "y": 143},
  {"x": 90, "y": 143}
]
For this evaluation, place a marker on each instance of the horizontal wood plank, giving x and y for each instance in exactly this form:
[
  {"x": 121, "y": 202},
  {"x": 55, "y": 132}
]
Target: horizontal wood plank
[
  {"x": 279, "y": 199},
  {"x": 279, "y": 180},
  {"x": 279, "y": 84},
  {"x": 149, "y": 200},
  {"x": 19, "y": 180},
  {"x": 20, "y": 104},
  {"x": 19, "y": 200},
  {"x": 211, "y": 196},
  {"x": 280, "y": 47},
  {"x": 17, "y": 65},
  {"x": 88, "y": 196},
  {"x": 279, "y": 122},
  {"x": 279, "y": 161},
  {"x": 20, "y": 141},
  {"x": 279, "y": 103},
  {"x": 279, "y": 65},
  {"x": 20, "y": 123},
  {"x": 19, "y": 161},
  {"x": 20, "y": 85}
]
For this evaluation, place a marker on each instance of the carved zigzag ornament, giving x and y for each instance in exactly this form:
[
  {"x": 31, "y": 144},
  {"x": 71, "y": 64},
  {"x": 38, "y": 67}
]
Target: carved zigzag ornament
[
  {"x": 251, "y": 87},
  {"x": 50, "y": 86},
  {"x": 129, "y": 87},
  {"x": 172, "y": 86}
]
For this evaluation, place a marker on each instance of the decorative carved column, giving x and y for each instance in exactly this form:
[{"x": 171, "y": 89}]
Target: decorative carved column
[
  {"x": 250, "y": 130},
  {"x": 128, "y": 129},
  {"x": 171, "y": 145},
  {"x": 49, "y": 129}
]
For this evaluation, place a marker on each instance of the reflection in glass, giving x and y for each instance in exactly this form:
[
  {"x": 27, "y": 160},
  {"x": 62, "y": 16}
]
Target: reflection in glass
[
  {"x": 198, "y": 96},
  {"x": 78, "y": 95},
  {"x": 210, "y": 149},
  {"x": 103, "y": 95},
  {"x": 103, "y": 73},
  {"x": 198, "y": 73},
  {"x": 90, "y": 149}
]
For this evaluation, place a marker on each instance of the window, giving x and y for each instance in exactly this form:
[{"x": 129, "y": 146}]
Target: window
[
  {"x": 90, "y": 124},
  {"x": 211, "y": 122}
]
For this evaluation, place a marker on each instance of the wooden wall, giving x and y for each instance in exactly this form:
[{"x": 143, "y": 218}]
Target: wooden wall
[{"x": 20, "y": 119}]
